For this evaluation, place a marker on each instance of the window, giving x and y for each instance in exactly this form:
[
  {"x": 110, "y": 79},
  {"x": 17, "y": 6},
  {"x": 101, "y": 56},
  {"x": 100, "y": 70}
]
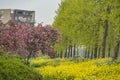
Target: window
[
  {"x": 29, "y": 13},
  {"x": 20, "y": 12},
  {"x": 22, "y": 19}
]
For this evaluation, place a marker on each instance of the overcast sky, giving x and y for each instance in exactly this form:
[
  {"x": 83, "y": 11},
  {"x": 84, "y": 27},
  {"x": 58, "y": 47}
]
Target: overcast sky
[{"x": 45, "y": 9}]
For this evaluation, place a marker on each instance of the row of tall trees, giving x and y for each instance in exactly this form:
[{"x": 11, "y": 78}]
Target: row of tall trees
[{"x": 92, "y": 23}]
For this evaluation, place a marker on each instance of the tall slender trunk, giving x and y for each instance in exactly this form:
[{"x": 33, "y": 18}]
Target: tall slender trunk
[
  {"x": 61, "y": 54},
  {"x": 96, "y": 41},
  {"x": 77, "y": 50},
  {"x": 105, "y": 33},
  {"x": 116, "y": 50},
  {"x": 71, "y": 51},
  {"x": 57, "y": 55},
  {"x": 95, "y": 51},
  {"x": 109, "y": 50},
  {"x": 104, "y": 39},
  {"x": 86, "y": 53},
  {"x": 74, "y": 51},
  {"x": 91, "y": 57},
  {"x": 99, "y": 52},
  {"x": 65, "y": 53}
]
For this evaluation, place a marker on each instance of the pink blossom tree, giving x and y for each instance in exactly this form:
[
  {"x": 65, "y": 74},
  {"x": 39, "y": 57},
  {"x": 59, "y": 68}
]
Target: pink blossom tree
[{"x": 26, "y": 41}]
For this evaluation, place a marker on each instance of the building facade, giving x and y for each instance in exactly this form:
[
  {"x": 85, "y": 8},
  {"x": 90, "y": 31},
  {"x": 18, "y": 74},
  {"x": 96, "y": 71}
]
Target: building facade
[{"x": 20, "y": 16}]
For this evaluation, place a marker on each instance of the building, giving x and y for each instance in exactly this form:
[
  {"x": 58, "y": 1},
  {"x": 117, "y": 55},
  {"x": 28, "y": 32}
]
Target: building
[{"x": 20, "y": 16}]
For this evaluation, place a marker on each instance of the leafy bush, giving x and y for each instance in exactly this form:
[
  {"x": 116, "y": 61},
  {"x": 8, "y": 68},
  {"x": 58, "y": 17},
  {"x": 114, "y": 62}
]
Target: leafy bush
[
  {"x": 3, "y": 54},
  {"x": 11, "y": 68},
  {"x": 15, "y": 57}
]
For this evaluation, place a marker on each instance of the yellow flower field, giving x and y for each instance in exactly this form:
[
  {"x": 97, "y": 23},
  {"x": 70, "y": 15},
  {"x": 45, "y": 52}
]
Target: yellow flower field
[{"x": 100, "y": 69}]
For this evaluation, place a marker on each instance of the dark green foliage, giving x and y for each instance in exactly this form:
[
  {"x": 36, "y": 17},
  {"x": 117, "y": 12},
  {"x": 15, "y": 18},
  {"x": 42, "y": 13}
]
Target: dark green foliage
[
  {"x": 15, "y": 57},
  {"x": 2, "y": 54},
  {"x": 11, "y": 68},
  {"x": 40, "y": 64}
]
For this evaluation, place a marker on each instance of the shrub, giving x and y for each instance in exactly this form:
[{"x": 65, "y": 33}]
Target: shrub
[
  {"x": 3, "y": 54},
  {"x": 15, "y": 57},
  {"x": 11, "y": 68}
]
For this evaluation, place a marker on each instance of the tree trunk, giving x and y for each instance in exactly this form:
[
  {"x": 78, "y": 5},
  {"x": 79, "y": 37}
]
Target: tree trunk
[
  {"x": 116, "y": 50},
  {"x": 77, "y": 51},
  {"x": 95, "y": 51},
  {"x": 104, "y": 39},
  {"x": 74, "y": 52},
  {"x": 86, "y": 53},
  {"x": 99, "y": 52},
  {"x": 105, "y": 33},
  {"x": 57, "y": 55},
  {"x": 71, "y": 51},
  {"x": 65, "y": 53},
  {"x": 61, "y": 54},
  {"x": 109, "y": 50},
  {"x": 91, "y": 57},
  {"x": 28, "y": 58}
]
